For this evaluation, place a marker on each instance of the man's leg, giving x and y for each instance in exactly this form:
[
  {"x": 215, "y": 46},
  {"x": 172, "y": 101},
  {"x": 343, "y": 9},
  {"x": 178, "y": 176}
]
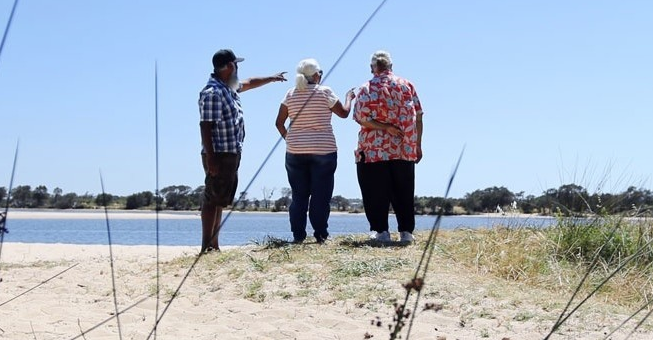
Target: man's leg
[
  {"x": 211, "y": 217},
  {"x": 403, "y": 194},
  {"x": 217, "y": 224},
  {"x": 208, "y": 208},
  {"x": 219, "y": 192},
  {"x": 374, "y": 179}
]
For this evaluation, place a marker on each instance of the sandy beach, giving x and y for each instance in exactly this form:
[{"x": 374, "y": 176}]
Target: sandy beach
[
  {"x": 336, "y": 291},
  {"x": 227, "y": 296}
]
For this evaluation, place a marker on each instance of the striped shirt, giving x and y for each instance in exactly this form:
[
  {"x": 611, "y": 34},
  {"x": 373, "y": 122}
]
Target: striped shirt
[
  {"x": 310, "y": 130},
  {"x": 220, "y": 104}
]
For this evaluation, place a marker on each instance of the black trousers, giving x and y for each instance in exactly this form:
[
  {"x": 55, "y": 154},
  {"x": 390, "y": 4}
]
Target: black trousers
[{"x": 385, "y": 183}]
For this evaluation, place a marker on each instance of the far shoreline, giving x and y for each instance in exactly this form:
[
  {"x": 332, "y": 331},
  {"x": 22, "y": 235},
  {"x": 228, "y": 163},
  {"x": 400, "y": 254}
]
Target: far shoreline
[{"x": 41, "y": 214}]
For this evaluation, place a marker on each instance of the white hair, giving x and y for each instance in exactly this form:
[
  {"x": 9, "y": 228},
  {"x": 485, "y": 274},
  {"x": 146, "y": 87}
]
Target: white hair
[
  {"x": 305, "y": 70},
  {"x": 382, "y": 59}
]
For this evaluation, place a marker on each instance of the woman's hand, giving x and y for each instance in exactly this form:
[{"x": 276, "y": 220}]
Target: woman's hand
[{"x": 351, "y": 95}]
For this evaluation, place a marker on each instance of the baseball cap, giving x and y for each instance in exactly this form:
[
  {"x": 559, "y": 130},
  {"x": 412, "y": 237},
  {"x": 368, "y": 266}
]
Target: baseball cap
[{"x": 223, "y": 57}]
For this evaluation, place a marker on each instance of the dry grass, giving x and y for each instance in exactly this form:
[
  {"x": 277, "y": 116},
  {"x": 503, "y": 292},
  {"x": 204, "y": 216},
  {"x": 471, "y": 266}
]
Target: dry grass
[
  {"x": 506, "y": 275},
  {"x": 532, "y": 257}
]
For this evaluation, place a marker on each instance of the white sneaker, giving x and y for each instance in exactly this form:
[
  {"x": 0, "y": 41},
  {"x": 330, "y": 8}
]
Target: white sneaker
[
  {"x": 406, "y": 237},
  {"x": 382, "y": 237}
]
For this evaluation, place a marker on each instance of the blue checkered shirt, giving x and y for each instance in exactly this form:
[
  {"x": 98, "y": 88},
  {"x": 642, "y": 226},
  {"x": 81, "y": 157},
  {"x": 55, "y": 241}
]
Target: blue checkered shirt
[{"x": 221, "y": 105}]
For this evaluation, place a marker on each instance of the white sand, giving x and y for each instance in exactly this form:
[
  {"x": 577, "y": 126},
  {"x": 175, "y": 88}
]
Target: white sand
[{"x": 211, "y": 307}]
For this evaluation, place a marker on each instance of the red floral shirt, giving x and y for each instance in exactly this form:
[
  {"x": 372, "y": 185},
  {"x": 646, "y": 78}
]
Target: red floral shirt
[{"x": 393, "y": 100}]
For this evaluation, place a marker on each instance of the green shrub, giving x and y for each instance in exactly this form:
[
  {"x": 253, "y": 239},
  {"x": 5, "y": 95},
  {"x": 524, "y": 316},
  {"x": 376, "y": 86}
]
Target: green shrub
[{"x": 613, "y": 239}]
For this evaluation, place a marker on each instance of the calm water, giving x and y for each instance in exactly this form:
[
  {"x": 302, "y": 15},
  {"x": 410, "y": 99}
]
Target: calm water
[{"x": 239, "y": 229}]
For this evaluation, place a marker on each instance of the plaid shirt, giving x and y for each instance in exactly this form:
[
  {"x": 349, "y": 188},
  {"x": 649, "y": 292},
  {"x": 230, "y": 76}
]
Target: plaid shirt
[{"x": 221, "y": 105}]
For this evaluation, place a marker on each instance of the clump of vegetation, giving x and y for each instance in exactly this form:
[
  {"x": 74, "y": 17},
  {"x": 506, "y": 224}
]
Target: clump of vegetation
[
  {"x": 612, "y": 239},
  {"x": 517, "y": 254},
  {"x": 558, "y": 257}
]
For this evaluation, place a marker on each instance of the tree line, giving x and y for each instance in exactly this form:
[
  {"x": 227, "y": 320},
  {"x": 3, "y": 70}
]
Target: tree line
[{"x": 568, "y": 200}]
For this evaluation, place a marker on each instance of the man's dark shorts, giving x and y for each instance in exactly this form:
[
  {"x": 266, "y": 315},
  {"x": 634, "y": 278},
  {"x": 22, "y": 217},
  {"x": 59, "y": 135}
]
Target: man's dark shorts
[{"x": 220, "y": 190}]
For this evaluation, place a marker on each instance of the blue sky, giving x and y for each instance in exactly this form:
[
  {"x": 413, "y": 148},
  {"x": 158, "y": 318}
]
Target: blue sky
[{"x": 540, "y": 93}]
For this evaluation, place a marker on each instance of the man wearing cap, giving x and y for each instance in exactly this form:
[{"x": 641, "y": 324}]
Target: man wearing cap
[
  {"x": 389, "y": 145},
  {"x": 223, "y": 131}
]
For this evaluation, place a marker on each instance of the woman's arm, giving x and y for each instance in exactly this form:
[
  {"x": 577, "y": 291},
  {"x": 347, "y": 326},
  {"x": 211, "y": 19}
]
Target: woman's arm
[
  {"x": 341, "y": 110},
  {"x": 281, "y": 120}
]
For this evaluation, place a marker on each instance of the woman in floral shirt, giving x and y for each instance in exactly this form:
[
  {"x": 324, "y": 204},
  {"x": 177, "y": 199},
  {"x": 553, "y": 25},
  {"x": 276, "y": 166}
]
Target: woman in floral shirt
[{"x": 389, "y": 145}]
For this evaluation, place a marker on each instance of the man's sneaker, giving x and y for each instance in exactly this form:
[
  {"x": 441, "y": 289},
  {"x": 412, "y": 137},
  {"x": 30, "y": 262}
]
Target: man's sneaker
[
  {"x": 406, "y": 237},
  {"x": 382, "y": 237}
]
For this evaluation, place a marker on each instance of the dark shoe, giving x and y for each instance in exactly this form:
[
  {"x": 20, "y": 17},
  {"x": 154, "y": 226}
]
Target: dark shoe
[
  {"x": 321, "y": 240},
  {"x": 297, "y": 241}
]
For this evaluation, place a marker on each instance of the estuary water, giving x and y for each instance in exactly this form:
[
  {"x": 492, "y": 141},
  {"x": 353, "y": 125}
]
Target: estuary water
[{"x": 238, "y": 229}]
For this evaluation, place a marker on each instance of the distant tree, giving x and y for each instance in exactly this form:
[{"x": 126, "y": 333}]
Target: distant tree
[
  {"x": 3, "y": 193},
  {"x": 177, "y": 197},
  {"x": 419, "y": 205},
  {"x": 134, "y": 201},
  {"x": 40, "y": 196},
  {"x": 286, "y": 192},
  {"x": 282, "y": 204},
  {"x": 158, "y": 200},
  {"x": 488, "y": 199},
  {"x": 267, "y": 196},
  {"x": 548, "y": 202},
  {"x": 257, "y": 204},
  {"x": 67, "y": 201},
  {"x": 196, "y": 197},
  {"x": 447, "y": 205},
  {"x": 341, "y": 203},
  {"x": 85, "y": 201},
  {"x": 605, "y": 203},
  {"x": 148, "y": 198},
  {"x": 142, "y": 199},
  {"x": 572, "y": 199},
  {"x": 243, "y": 202},
  {"x": 434, "y": 204},
  {"x": 103, "y": 199},
  {"x": 56, "y": 194},
  {"x": 528, "y": 204},
  {"x": 636, "y": 199},
  {"x": 21, "y": 196},
  {"x": 472, "y": 201},
  {"x": 429, "y": 204}
]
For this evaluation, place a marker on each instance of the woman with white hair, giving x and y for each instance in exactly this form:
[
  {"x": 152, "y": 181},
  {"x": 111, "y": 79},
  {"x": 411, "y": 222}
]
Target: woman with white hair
[{"x": 311, "y": 153}]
